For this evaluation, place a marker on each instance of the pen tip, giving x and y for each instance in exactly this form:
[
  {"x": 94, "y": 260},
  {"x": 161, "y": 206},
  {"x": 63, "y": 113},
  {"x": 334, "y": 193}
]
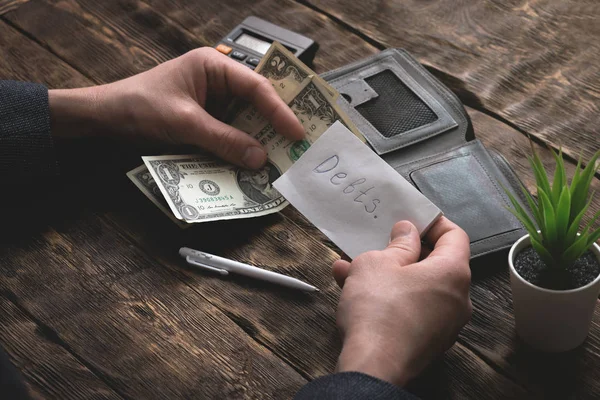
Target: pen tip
[{"x": 317, "y": 290}]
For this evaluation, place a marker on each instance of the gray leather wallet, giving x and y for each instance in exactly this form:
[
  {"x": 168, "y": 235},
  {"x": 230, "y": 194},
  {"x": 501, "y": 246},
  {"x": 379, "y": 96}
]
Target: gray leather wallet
[{"x": 419, "y": 127}]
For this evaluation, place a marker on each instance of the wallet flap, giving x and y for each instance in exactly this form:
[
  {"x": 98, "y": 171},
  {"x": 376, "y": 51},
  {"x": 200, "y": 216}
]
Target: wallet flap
[
  {"x": 396, "y": 103},
  {"x": 467, "y": 184}
]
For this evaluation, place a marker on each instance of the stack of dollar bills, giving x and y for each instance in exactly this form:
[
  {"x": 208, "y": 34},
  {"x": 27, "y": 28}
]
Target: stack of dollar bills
[{"x": 200, "y": 187}]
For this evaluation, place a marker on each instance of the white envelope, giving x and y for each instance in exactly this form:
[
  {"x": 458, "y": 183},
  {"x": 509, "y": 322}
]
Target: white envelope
[{"x": 351, "y": 194}]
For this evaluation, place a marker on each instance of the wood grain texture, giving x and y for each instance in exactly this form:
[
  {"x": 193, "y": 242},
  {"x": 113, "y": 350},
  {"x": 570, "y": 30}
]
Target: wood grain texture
[
  {"x": 123, "y": 38},
  {"x": 22, "y": 59},
  {"x": 146, "y": 331},
  {"x": 49, "y": 369},
  {"x": 535, "y": 63},
  {"x": 283, "y": 322},
  {"x": 9, "y": 5},
  {"x": 211, "y": 21},
  {"x": 287, "y": 323},
  {"x": 113, "y": 288}
]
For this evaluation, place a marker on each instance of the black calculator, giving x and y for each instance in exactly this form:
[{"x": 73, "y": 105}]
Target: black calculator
[{"x": 251, "y": 39}]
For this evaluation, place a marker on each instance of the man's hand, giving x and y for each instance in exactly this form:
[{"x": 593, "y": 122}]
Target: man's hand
[
  {"x": 396, "y": 313},
  {"x": 178, "y": 102}
]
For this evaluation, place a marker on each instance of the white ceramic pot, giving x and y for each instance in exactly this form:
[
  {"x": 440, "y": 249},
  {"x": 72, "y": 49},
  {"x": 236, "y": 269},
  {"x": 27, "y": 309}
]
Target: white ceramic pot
[{"x": 551, "y": 320}]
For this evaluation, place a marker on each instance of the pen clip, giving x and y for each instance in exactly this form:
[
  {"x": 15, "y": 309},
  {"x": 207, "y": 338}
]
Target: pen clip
[{"x": 198, "y": 264}]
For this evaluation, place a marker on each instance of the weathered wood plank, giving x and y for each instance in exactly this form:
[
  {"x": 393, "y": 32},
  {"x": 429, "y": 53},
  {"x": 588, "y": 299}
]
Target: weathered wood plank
[
  {"x": 445, "y": 380},
  {"x": 25, "y": 60},
  {"x": 9, "y": 5},
  {"x": 114, "y": 47},
  {"x": 250, "y": 303},
  {"x": 63, "y": 207},
  {"x": 147, "y": 331},
  {"x": 535, "y": 63},
  {"x": 210, "y": 21},
  {"x": 48, "y": 368},
  {"x": 299, "y": 329},
  {"x": 253, "y": 304},
  {"x": 286, "y": 322}
]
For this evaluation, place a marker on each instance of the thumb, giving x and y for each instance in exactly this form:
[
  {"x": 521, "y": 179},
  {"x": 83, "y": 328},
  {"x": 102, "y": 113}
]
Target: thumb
[
  {"x": 340, "y": 270},
  {"x": 225, "y": 141},
  {"x": 405, "y": 243}
]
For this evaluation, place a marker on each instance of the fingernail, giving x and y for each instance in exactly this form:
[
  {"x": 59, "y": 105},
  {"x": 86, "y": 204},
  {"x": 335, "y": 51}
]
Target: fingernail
[
  {"x": 402, "y": 228},
  {"x": 254, "y": 157}
]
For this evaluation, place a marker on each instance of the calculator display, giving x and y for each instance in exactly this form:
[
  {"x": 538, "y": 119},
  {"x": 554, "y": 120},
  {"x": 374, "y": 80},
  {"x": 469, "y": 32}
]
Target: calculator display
[{"x": 253, "y": 43}]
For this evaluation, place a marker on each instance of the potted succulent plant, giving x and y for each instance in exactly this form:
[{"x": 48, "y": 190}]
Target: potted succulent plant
[{"x": 555, "y": 269}]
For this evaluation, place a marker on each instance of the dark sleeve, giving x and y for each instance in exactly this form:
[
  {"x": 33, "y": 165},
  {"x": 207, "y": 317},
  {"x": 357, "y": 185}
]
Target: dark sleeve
[
  {"x": 352, "y": 386},
  {"x": 26, "y": 145}
]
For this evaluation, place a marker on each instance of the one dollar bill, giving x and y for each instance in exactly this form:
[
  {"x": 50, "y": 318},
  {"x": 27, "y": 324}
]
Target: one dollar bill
[
  {"x": 144, "y": 181},
  {"x": 205, "y": 189}
]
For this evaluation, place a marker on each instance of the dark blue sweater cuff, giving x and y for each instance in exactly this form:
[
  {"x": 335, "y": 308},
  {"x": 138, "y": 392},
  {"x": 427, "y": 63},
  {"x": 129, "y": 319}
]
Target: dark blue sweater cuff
[
  {"x": 26, "y": 145},
  {"x": 352, "y": 386}
]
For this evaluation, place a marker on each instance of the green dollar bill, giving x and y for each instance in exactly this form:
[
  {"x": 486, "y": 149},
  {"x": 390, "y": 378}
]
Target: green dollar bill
[
  {"x": 144, "y": 181},
  {"x": 287, "y": 73},
  {"x": 206, "y": 189}
]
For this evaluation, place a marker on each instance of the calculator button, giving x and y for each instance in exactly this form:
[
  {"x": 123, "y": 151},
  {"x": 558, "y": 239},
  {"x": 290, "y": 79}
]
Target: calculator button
[
  {"x": 250, "y": 66},
  {"x": 224, "y": 49},
  {"x": 253, "y": 61},
  {"x": 238, "y": 55}
]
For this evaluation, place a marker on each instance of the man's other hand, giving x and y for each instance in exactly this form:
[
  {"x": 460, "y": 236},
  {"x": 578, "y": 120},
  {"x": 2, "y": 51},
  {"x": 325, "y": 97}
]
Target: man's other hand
[{"x": 396, "y": 313}]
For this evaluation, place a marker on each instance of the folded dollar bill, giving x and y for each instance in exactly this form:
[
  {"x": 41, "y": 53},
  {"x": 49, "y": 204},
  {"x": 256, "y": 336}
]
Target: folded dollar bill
[
  {"x": 144, "y": 181},
  {"x": 207, "y": 189}
]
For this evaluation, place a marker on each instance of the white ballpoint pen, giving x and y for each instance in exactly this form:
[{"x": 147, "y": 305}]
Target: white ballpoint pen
[{"x": 224, "y": 266}]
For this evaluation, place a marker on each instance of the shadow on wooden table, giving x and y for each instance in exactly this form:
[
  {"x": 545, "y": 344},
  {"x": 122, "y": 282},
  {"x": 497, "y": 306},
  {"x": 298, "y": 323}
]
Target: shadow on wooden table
[{"x": 551, "y": 376}]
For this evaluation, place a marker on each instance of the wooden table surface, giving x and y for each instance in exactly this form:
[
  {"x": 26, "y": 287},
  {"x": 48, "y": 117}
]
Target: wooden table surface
[{"x": 94, "y": 300}]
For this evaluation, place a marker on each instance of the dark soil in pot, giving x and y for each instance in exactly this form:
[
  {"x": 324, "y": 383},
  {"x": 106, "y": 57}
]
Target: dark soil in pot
[{"x": 530, "y": 266}]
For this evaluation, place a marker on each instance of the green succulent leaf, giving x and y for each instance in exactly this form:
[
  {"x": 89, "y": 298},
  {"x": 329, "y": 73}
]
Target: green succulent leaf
[
  {"x": 549, "y": 233},
  {"x": 559, "y": 211},
  {"x": 560, "y": 177},
  {"x": 575, "y": 250},
  {"x": 580, "y": 187},
  {"x": 522, "y": 215},
  {"x": 593, "y": 237},
  {"x": 574, "y": 185},
  {"x": 537, "y": 213},
  {"x": 574, "y": 225},
  {"x": 592, "y": 221},
  {"x": 562, "y": 214},
  {"x": 540, "y": 173},
  {"x": 543, "y": 253}
]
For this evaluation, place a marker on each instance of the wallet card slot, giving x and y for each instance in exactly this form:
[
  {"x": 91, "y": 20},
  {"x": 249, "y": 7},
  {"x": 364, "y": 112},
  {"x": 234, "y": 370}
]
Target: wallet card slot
[
  {"x": 402, "y": 113},
  {"x": 396, "y": 109},
  {"x": 468, "y": 195}
]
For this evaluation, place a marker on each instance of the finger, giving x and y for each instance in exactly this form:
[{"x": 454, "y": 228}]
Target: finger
[
  {"x": 225, "y": 141},
  {"x": 425, "y": 251},
  {"x": 449, "y": 240},
  {"x": 247, "y": 84},
  {"x": 340, "y": 271},
  {"x": 405, "y": 244}
]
